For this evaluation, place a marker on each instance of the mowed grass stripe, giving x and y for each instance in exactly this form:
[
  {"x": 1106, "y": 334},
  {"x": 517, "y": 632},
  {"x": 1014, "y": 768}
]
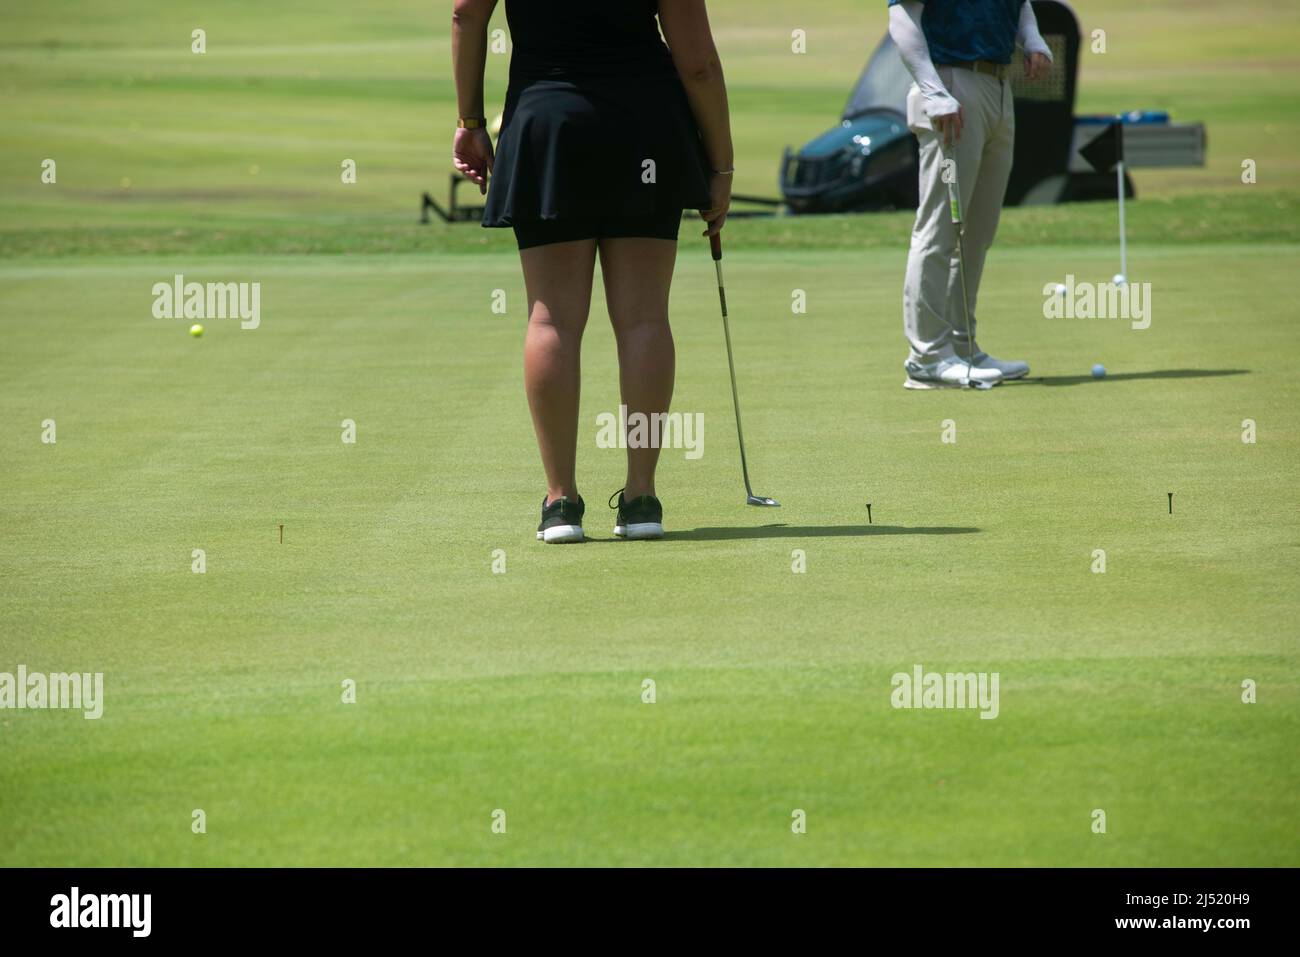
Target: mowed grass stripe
[{"x": 586, "y": 773}]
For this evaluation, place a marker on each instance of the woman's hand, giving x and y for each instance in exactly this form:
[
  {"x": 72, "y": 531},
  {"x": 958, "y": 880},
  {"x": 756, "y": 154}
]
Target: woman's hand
[
  {"x": 471, "y": 154},
  {"x": 719, "y": 202}
]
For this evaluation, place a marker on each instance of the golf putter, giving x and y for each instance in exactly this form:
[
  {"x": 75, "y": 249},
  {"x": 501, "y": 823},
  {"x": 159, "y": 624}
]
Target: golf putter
[
  {"x": 954, "y": 206},
  {"x": 715, "y": 242}
]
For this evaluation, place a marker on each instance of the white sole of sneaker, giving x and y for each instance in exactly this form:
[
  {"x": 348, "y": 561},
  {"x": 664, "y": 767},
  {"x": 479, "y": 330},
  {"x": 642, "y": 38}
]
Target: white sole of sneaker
[
  {"x": 561, "y": 534},
  {"x": 923, "y": 384},
  {"x": 639, "y": 530}
]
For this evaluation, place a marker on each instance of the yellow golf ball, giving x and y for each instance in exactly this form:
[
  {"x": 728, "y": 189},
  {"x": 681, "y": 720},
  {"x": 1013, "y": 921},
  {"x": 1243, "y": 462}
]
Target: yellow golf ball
[{"x": 196, "y": 330}]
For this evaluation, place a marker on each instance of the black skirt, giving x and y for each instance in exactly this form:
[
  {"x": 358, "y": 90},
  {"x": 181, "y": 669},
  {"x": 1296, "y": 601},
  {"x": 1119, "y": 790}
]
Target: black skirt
[{"x": 586, "y": 150}]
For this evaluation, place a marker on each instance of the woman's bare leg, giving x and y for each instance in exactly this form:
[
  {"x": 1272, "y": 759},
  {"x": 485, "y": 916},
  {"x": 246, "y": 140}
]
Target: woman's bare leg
[
  {"x": 558, "y": 280},
  {"x": 638, "y": 274}
]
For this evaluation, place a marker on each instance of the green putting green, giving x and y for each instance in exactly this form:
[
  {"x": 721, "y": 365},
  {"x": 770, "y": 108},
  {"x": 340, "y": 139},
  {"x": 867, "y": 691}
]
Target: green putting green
[{"x": 493, "y": 673}]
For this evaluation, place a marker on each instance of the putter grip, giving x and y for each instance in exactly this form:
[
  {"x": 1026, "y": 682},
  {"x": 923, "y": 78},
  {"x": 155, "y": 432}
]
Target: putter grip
[
  {"x": 954, "y": 201},
  {"x": 715, "y": 244}
]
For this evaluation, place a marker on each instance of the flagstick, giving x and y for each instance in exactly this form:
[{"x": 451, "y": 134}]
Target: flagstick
[
  {"x": 1105, "y": 151},
  {"x": 1123, "y": 244}
]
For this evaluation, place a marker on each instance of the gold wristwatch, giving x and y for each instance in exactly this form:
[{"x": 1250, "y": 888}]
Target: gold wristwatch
[{"x": 471, "y": 122}]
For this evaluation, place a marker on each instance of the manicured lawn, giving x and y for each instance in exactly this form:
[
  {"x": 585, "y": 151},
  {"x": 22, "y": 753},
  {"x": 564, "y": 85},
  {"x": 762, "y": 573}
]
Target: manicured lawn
[{"x": 523, "y": 690}]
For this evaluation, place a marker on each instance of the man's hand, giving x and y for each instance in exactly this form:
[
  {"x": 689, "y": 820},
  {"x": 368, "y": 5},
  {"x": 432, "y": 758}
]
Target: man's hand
[
  {"x": 1036, "y": 65},
  {"x": 949, "y": 126}
]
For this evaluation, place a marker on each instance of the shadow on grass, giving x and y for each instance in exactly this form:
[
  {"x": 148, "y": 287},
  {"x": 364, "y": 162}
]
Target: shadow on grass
[
  {"x": 807, "y": 531},
  {"x": 1128, "y": 376}
]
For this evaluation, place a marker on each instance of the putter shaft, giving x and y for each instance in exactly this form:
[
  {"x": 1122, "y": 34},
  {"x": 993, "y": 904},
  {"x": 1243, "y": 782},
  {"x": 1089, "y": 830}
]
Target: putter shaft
[
  {"x": 731, "y": 368},
  {"x": 715, "y": 243},
  {"x": 954, "y": 208}
]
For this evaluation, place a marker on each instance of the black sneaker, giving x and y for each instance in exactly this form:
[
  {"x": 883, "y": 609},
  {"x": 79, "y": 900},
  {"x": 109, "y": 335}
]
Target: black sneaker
[
  {"x": 561, "y": 521},
  {"x": 643, "y": 517}
]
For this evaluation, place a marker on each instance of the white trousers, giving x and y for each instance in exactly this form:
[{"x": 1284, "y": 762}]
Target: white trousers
[{"x": 932, "y": 308}]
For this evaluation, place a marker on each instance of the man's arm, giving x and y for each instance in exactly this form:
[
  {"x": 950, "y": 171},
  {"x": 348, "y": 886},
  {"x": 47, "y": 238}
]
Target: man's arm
[
  {"x": 905, "y": 30},
  {"x": 1037, "y": 53},
  {"x": 1028, "y": 36}
]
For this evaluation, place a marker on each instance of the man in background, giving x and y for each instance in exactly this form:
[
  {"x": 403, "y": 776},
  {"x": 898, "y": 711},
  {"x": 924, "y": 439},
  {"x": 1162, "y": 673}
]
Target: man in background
[{"x": 960, "y": 107}]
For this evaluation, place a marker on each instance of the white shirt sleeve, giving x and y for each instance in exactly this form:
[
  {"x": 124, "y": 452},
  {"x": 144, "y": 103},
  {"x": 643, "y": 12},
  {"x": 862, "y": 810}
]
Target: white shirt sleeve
[
  {"x": 1028, "y": 37},
  {"x": 905, "y": 30}
]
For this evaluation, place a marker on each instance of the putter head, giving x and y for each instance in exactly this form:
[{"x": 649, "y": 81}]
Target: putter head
[
  {"x": 974, "y": 384},
  {"x": 762, "y": 502}
]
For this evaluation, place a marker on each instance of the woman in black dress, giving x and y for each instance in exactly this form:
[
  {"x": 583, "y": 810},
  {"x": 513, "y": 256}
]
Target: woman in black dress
[{"x": 608, "y": 134}]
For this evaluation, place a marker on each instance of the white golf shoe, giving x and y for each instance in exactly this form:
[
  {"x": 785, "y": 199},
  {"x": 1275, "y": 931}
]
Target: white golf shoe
[
  {"x": 1010, "y": 368},
  {"x": 950, "y": 372}
]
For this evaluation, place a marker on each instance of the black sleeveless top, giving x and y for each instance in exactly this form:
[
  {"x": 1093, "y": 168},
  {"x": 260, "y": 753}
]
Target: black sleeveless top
[
  {"x": 586, "y": 39},
  {"x": 596, "y": 122}
]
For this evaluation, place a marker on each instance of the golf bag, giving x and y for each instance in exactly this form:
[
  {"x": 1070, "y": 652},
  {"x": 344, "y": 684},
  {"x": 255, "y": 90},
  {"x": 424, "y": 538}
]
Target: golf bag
[
  {"x": 1045, "y": 110},
  {"x": 869, "y": 159}
]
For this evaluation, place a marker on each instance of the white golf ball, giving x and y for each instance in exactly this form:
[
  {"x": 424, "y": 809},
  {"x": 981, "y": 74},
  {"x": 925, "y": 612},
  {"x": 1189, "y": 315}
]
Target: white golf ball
[
  {"x": 1061, "y": 290},
  {"x": 1118, "y": 279}
]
